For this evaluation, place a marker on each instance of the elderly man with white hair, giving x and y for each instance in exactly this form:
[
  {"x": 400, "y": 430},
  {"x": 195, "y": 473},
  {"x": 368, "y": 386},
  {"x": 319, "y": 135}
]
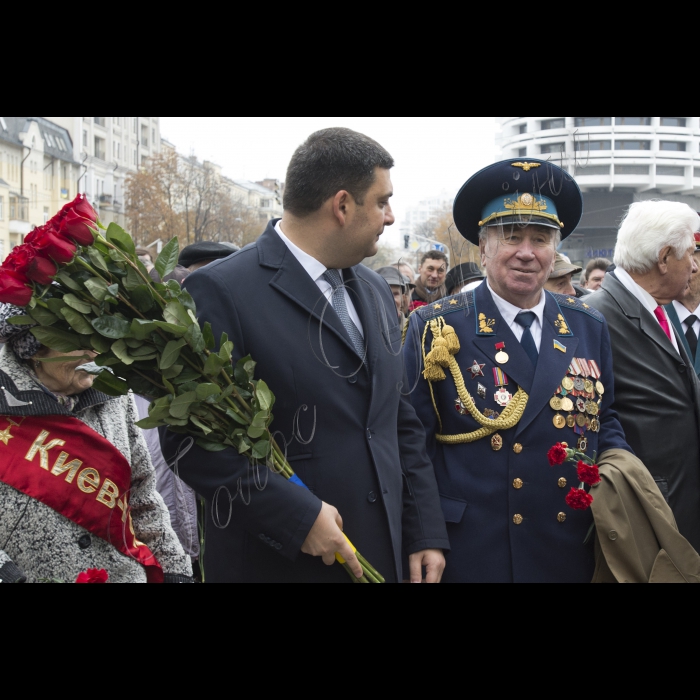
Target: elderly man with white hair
[{"x": 657, "y": 393}]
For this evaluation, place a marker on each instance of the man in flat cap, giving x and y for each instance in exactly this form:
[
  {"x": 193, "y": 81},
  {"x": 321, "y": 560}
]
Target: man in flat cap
[
  {"x": 400, "y": 287},
  {"x": 461, "y": 276},
  {"x": 505, "y": 372}
]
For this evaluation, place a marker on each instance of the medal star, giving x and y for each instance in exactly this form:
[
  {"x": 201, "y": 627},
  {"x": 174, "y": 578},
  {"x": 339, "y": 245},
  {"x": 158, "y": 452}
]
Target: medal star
[
  {"x": 5, "y": 436},
  {"x": 437, "y": 307},
  {"x": 477, "y": 370}
]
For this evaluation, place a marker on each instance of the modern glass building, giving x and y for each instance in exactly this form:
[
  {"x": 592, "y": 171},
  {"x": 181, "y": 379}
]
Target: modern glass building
[{"x": 616, "y": 161}]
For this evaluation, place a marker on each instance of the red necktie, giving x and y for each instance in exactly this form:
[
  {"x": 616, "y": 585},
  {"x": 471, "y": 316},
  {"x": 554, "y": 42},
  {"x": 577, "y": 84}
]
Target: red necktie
[{"x": 661, "y": 315}]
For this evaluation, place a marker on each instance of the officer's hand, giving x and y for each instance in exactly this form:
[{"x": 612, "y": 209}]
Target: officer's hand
[
  {"x": 326, "y": 538},
  {"x": 434, "y": 562}
]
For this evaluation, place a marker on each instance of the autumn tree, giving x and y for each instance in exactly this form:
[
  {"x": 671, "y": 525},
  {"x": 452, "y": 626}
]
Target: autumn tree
[{"x": 441, "y": 228}]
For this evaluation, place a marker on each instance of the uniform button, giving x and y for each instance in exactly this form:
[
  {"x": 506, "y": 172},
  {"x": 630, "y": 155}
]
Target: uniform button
[
  {"x": 518, "y": 448},
  {"x": 85, "y": 542},
  {"x": 352, "y": 380},
  {"x": 561, "y": 517},
  {"x": 372, "y": 498},
  {"x": 518, "y": 520},
  {"x": 369, "y": 434},
  {"x": 563, "y": 483},
  {"x": 613, "y": 536},
  {"x": 518, "y": 484},
  {"x": 278, "y": 547}
]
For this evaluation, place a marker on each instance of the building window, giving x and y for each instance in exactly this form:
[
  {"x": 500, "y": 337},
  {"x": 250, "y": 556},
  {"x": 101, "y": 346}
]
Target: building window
[
  {"x": 522, "y": 153},
  {"x": 670, "y": 171},
  {"x": 523, "y": 128},
  {"x": 553, "y": 148},
  {"x": 586, "y": 145},
  {"x": 632, "y": 145},
  {"x": 47, "y": 215},
  {"x": 582, "y": 171},
  {"x": 673, "y": 146},
  {"x": 631, "y": 170},
  {"x": 100, "y": 148},
  {"x": 554, "y": 124},
  {"x": 674, "y": 122},
  {"x": 633, "y": 121},
  {"x": 85, "y": 138},
  {"x": 593, "y": 121},
  {"x": 100, "y": 121}
]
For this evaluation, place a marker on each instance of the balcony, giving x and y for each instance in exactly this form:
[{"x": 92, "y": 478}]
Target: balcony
[
  {"x": 20, "y": 228},
  {"x": 106, "y": 200}
]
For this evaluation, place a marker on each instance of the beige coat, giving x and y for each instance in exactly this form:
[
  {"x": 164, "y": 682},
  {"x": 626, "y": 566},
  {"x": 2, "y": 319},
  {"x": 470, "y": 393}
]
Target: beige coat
[{"x": 638, "y": 539}]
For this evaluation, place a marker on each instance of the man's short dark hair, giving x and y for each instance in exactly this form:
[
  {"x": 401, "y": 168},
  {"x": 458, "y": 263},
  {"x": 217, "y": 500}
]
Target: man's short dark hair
[
  {"x": 602, "y": 264},
  {"x": 435, "y": 255},
  {"x": 328, "y": 162}
]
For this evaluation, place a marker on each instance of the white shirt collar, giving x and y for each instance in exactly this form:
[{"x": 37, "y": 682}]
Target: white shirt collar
[
  {"x": 508, "y": 311},
  {"x": 636, "y": 290},
  {"x": 683, "y": 313},
  {"x": 315, "y": 269}
]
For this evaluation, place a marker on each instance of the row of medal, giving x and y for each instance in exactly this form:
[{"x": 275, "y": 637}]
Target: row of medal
[{"x": 581, "y": 396}]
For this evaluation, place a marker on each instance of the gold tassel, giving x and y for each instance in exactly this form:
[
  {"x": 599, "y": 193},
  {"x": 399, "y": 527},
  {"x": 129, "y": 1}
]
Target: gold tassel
[
  {"x": 434, "y": 373},
  {"x": 449, "y": 334},
  {"x": 439, "y": 355}
]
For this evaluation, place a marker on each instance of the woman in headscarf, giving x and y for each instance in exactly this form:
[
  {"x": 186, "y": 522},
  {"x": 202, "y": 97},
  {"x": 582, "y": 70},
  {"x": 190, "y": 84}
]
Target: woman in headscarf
[{"x": 77, "y": 486}]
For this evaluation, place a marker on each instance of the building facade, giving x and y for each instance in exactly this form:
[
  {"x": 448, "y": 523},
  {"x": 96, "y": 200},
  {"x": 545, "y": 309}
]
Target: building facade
[
  {"x": 38, "y": 175},
  {"x": 616, "y": 161},
  {"x": 108, "y": 149}
]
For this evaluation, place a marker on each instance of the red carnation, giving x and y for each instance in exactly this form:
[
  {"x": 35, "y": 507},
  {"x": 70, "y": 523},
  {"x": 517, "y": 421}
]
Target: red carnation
[
  {"x": 557, "y": 455},
  {"x": 588, "y": 474},
  {"x": 47, "y": 243},
  {"x": 579, "y": 500},
  {"x": 77, "y": 228},
  {"x": 93, "y": 576},
  {"x": 14, "y": 289}
]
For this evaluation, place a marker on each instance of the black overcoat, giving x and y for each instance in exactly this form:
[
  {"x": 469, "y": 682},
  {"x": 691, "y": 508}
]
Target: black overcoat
[
  {"x": 657, "y": 396},
  {"x": 353, "y": 437}
]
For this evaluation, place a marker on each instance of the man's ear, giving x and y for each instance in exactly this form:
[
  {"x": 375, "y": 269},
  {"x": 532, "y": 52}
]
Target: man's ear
[
  {"x": 342, "y": 203},
  {"x": 664, "y": 255}
]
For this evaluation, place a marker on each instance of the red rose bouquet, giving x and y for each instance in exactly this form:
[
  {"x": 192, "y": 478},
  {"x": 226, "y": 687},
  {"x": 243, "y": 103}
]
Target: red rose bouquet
[
  {"x": 587, "y": 471},
  {"x": 84, "y": 287}
]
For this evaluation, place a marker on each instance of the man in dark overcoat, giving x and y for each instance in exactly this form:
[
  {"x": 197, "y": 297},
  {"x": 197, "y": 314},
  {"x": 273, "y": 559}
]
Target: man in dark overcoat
[
  {"x": 324, "y": 332},
  {"x": 657, "y": 393}
]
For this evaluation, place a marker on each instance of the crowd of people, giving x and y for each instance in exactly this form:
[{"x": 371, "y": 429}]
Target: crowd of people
[{"x": 521, "y": 420}]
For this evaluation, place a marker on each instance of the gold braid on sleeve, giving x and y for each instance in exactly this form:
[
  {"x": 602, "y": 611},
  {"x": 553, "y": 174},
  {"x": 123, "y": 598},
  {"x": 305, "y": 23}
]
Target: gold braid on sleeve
[{"x": 442, "y": 355}]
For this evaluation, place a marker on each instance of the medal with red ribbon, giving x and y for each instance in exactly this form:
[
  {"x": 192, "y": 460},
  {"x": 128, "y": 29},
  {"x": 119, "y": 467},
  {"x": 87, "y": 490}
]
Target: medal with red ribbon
[{"x": 502, "y": 397}]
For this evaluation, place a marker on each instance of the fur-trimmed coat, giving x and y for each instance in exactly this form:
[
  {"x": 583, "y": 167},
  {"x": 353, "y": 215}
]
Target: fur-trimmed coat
[{"x": 36, "y": 542}]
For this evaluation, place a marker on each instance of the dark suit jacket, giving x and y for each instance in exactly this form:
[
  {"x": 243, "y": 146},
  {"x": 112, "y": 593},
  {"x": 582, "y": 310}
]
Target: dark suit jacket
[
  {"x": 353, "y": 438},
  {"x": 675, "y": 319},
  {"x": 483, "y": 490},
  {"x": 657, "y": 395}
]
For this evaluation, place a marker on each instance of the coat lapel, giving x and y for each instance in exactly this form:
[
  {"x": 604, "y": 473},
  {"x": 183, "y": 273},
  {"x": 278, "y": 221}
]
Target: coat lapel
[
  {"x": 554, "y": 362},
  {"x": 366, "y": 302}
]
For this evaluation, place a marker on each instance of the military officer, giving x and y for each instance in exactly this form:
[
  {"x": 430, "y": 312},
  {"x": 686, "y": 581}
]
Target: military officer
[{"x": 501, "y": 374}]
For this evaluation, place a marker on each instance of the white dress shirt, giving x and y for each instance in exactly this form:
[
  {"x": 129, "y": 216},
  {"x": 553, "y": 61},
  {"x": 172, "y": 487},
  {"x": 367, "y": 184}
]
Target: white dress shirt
[
  {"x": 316, "y": 270},
  {"x": 648, "y": 301},
  {"x": 683, "y": 314},
  {"x": 510, "y": 312}
]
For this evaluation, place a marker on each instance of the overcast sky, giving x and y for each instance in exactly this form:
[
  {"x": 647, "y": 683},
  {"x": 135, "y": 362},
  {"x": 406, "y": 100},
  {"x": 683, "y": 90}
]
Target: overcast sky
[{"x": 433, "y": 154}]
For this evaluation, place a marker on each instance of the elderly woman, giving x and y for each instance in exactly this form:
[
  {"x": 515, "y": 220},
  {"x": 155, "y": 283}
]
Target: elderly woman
[
  {"x": 77, "y": 487},
  {"x": 657, "y": 394}
]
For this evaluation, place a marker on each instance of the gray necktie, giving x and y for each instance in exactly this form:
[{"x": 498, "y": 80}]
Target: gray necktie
[{"x": 341, "y": 308}]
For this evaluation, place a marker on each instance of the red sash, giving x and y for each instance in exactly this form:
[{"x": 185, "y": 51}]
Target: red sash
[{"x": 67, "y": 466}]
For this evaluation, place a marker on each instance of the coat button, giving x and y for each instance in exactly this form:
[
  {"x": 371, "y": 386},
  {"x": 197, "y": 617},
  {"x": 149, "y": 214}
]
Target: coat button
[
  {"x": 682, "y": 369},
  {"x": 518, "y": 520},
  {"x": 85, "y": 542},
  {"x": 518, "y": 448},
  {"x": 613, "y": 536},
  {"x": 518, "y": 484},
  {"x": 369, "y": 434},
  {"x": 278, "y": 547},
  {"x": 352, "y": 380},
  {"x": 563, "y": 483},
  {"x": 561, "y": 517},
  {"x": 372, "y": 498}
]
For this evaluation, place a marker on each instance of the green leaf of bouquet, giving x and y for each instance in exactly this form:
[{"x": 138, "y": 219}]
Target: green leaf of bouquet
[
  {"x": 234, "y": 416},
  {"x": 112, "y": 291},
  {"x": 169, "y": 386},
  {"x": 260, "y": 420},
  {"x": 187, "y": 376},
  {"x": 142, "y": 298},
  {"x": 205, "y": 428},
  {"x": 21, "y": 321},
  {"x": 77, "y": 322},
  {"x": 65, "y": 279},
  {"x": 244, "y": 446},
  {"x": 187, "y": 301},
  {"x": 208, "y": 334},
  {"x": 43, "y": 316},
  {"x": 261, "y": 449},
  {"x": 97, "y": 260},
  {"x": 204, "y": 391},
  {"x": 99, "y": 343},
  {"x": 226, "y": 351},
  {"x": 167, "y": 260},
  {"x": 171, "y": 353},
  {"x": 160, "y": 409},
  {"x": 122, "y": 352},
  {"x": 195, "y": 338},
  {"x": 97, "y": 287},
  {"x": 120, "y": 238},
  {"x": 176, "y": 314},
  {"x": 132, "y": 279},
  {"x": 181, "y": 422},
  {"x": 55, "y": 305},
  {"x": 112, "y": 327},
  {"x": 255, "y": 433},
  {"x": 56, "y": 339},
  {"x": 108, "y": 384},
  {"x": 211, "y": 446},
  {"x": 149, "y": 423},
  {"x": 77, "y": 304},
  {"x": 180, "y": 407},
  {"x": 213, "y": 365},
  {"x": 264, "y": 396},
  {"x": 173, "y": 372}
]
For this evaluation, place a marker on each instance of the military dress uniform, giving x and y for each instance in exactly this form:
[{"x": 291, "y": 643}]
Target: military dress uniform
[{"x": 491, "y": 416}]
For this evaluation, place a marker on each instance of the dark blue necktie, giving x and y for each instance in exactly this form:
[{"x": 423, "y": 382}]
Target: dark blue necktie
[
  {"x": 526, "y": 319},
  {"x": 691, "y": 337}
]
